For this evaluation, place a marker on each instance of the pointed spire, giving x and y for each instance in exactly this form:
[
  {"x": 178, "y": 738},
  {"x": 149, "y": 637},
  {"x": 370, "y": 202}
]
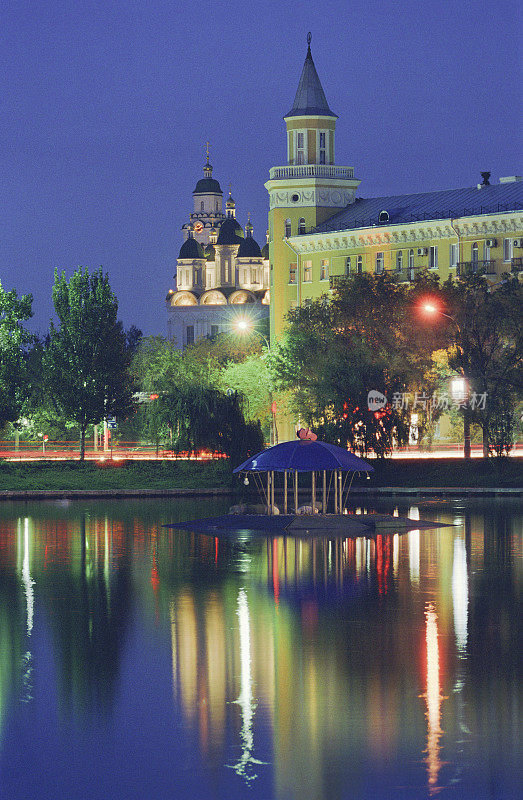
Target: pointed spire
[
  {"x": 310, "y": 98},
  {"x": 249, "y": 230},
  {"x": 207, "y": 169}
]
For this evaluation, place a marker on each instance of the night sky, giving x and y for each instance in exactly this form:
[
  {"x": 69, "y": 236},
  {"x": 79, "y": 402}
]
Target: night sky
[{"x": 106, "y": 106}]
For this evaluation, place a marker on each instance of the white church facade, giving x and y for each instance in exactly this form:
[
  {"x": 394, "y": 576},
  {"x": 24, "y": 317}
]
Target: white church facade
[{"x": 222, "y": 275}]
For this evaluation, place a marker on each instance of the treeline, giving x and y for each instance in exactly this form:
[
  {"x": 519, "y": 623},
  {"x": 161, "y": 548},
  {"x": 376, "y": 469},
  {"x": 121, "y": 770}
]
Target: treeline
[{"x": 355, "y": 366}]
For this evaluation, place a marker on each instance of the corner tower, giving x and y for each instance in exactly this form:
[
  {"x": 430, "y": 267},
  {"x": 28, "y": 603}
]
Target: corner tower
[{"x": 305, "y": 192}]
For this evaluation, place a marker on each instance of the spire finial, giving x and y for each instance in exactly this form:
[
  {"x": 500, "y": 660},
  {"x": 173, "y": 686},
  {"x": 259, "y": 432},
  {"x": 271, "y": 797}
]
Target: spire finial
[
  {"x": 207, "y": 145},
  {"x": 309, "y": 37},
  {"x": 230, "y": 188}
]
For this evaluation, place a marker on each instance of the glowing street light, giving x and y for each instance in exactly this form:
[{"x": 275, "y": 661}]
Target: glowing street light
[{"x": 458, "y": 386}]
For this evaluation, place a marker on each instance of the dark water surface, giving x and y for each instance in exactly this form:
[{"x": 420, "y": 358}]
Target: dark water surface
[{"x": 138, "y": 662}]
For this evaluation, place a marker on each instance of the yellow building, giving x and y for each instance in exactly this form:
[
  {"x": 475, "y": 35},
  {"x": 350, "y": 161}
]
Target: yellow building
[{"x": 321, "y": 231}]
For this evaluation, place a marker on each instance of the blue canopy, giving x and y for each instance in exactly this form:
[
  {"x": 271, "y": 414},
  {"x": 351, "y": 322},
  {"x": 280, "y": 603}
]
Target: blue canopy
[{"x": 304, "y": 455}]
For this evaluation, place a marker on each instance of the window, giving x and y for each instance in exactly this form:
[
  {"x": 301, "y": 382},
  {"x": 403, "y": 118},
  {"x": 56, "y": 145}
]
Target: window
[
  {"x": 287, "y": 228},
  {"x": 411, "y": 259},
  {"x": 433, "y": 257},
  {"x": 292, "y": 273},
  {"x": 322, "y": 141},
  {"x": 359, "y": 264},
  {"x": 347, "y": 265},
  {"x": 399, "y": 260},
  {"x": 486, "y": 250},
  {"x": 307, "y": 271},
  {"x": 214, "y": 330},
  {"x": 197, "y": 276},
  {"x": 244, "y": 276},
  {"x": 508, "y": 249},
  {"x": 453, "y": 255},
  {"x": 324, "y": 269},
  {"x": 323, "y": 158},
  {"x": 300, "y": 148},
  {"x": 301, "y": 226},
  {"x": 380, "y": 261},
  {"x": 474, "y": 252},
  {"x": 384, "y": 216},
  {"x": 189, "y": 334},
  {"x": 254, "y": 275},
  {"x": 208, "y": 279},
  {"x": 217, "y": 205},
  {"x": 202, "y": 206}
]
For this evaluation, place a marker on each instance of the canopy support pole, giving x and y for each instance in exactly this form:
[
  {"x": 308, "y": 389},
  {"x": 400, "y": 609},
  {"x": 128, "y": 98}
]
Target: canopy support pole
[
  {"x": 340, "y": 493},
  {"x": 313, "y": 498},
  {"x": 295, "y": 491},
  {"x": 336, "y": 491},
  {"x": 269, "y": 509},
  {"x": 272, "y": 492},
  {"x": 285, "y": 492},
  {"x": 324, "y": 491}
]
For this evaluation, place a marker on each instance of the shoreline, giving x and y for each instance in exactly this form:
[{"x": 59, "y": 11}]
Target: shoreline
[{"x": 223, "y": 491}]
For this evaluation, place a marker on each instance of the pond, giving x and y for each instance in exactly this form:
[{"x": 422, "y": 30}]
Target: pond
[{"x": 141, "y": 662}]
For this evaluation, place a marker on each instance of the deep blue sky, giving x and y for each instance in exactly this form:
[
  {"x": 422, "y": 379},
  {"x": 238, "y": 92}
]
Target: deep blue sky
[{"x": 105, "y": 108}]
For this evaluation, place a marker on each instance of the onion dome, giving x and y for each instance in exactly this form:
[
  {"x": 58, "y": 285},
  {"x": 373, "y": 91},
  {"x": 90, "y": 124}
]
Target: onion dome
[
  {"x": 191, "y": 249},
  {"x": 249, "y": 248},
  {"x": 231, "y": 232},
  {"x": 208, "y": 184},
  {"x": 265, "y": 252},
  {"x": 210, "y": 252}
]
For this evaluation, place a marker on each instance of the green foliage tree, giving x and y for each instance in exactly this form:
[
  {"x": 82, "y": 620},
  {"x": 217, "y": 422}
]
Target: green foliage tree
[
  {"x": 87, "y": 360},
  {"x": 487, "y": 350},
  {"x": 14, "y": 343},
  {"x": 337, "y": 350}
]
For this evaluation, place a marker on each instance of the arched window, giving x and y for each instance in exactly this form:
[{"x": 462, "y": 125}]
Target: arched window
[
  {"x": 399, "y": 260},
  {"x": 475, "y": 251},
  {"x": 301, "y": 226},
  {"x": 411, "y": 259},
  {"x": 359, "y": 264},
  {"x": 202, "y": 206},
  {"x": 287, "y": 228},
  {"x": 384, "y": 216}
]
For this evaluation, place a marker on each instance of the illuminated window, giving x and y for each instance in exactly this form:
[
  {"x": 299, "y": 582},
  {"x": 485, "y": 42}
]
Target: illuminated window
[
  {"x": 433, "y": 257},
  {"x": 453, "y": 255},
  {"x": 399, "y": 260},
  {"x": 292, "y": 273},
  {"x": 411, "y": 259},
  {"x": 347, "y": 265},
  {"x": 359, "y": 264},
  {"x": 380, "y": 261},
  {"x": 324, "y": 269},
  {"x": 287, "y": 228},
  {"x": 301, "y": 226},
  {"x": 307, "y": 271},
  {"x": 508, "y": 249},
  {"x": 475, "y": 252}
]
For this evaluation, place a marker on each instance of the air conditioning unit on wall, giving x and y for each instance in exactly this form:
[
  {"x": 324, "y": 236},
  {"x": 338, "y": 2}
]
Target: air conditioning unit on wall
[
  {"x": 491, "y": 242},
  {"x": 423, "y": 251},
  {"x": 518, "y": 242}
]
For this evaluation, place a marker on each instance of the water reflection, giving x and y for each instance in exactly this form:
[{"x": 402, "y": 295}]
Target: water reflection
[{"x": 312, "y": 668}]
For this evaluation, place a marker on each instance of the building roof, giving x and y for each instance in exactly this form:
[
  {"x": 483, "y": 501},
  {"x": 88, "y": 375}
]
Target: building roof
[
  {"x": 310, "y": 98},
  {"x": 231, "y": 232},
  {"x": 191, "y": 249},
  {"x": 207, "y": 186},
  {"x": 265, "y": 252},
  {"x": 249, "y": 248},
  {"x": 447, "y": 204}
]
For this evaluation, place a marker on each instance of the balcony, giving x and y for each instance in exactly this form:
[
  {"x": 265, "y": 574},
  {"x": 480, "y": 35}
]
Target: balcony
[
  {"x": 311, "y": 171},
  {"x": 466, "y": 267},
  {"x": 335, "y": 280}
]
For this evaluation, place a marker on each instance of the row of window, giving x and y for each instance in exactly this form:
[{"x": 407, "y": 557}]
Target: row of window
[
  {"x": 354, "y": 264},
  {"x": 301, "y": 147},
  {"x": 189, "y": 333},
  {"x": 249, "y": 275},
  {"x": 287, "y": 227}
]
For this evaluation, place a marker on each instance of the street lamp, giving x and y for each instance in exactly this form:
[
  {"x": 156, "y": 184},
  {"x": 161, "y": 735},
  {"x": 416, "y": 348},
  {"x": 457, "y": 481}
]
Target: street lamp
[
  {"x": 246, "y": 326},
  {"x": 458, "y": 386}
]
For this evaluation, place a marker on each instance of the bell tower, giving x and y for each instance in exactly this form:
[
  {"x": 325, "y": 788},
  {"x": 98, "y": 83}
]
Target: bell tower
[{"x": 306, "y": 191}]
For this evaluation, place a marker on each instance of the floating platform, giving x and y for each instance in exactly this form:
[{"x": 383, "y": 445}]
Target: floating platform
[{"x": 308, "y": 524}]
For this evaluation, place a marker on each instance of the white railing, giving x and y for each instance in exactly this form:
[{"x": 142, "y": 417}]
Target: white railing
[{"x": 311, "y": 171}]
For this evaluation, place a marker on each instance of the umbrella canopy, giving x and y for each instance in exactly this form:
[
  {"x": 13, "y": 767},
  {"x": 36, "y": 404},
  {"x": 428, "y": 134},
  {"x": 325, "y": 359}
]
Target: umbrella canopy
[{"x": 304, "y": 455}]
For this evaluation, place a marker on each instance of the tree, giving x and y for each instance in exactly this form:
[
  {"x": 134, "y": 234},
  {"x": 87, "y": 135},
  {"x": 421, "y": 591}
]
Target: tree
[
  {"x": 87, "y": 361},
  {"x": 14, "y": 343},
  {"x": 487, "y": 350},
  {"x": 338, "y": 349}
]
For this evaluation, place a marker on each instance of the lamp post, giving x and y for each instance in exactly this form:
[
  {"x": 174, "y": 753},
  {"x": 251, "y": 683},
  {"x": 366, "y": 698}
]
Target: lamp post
[
  {"x": 245, "y": 326},
  {"x": 458, "y": 386}
]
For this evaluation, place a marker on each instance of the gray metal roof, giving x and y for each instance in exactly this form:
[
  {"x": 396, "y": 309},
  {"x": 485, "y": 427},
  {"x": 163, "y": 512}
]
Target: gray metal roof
[
  {"x": 310, "y": 98},
  {"x": 447, "y": 204}
]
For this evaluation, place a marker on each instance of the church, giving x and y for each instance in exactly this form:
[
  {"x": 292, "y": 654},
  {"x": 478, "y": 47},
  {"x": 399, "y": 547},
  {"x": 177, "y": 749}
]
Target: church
[{"x": 222, "y": 275}]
